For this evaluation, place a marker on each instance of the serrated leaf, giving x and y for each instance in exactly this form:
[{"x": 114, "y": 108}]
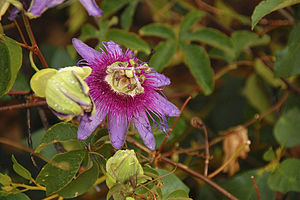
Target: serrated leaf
[
  {"x": 246, "y": 39},
  {"x": 257, "y": 96},
  {"x": 10, "y": 63},
  {"x": 55, "y": 178},
  {"x": 212, "y": 37},
  {"x": 128, "y": 39},
  {"x": 286, "y": 177},
  {"x": 288, "y": 60},
  {"x": 163, "y": 53},
  {"x": 171, "y": 183},
  {"x": 109, "y": 7},
  {"x": 81, "y": 183},
  {"x": 60, "y": 132},
  {"x": 159, "y": 30},
  {"x": 268, "y": 6},
  {"x": 286, "y": 129},
  {"x": 188, "y": 21},
  {"x": 5, "y": 179},
  {"x": 126, "y": 17},
  {"x": 198, "y": 62},
  {"x": 19, "y": 169}
]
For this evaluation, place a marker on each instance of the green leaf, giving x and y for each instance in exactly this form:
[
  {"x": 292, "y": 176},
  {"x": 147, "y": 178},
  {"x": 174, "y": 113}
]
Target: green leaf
[
  {"x": 18, "y": 196},
  {"x": 268, "y": 6},
  {"x": 126, "y": 17},
  {"x": 212, "y": 37},
  {"x": 257, "y": 97},
  {"x": 245, "y": 39},
  {"x": 55, "y": 178},
  {"x": 269, "y": 155},
  {"x": 78, "y": 16},
  {"x": 288, "y": 59},
  {"x": 128, "y": 39},
  {"x": 19, "y": 169},
  {"x": 287, "y": 128},
  {"x": 1, "y": 29},
  {"x": 286, "y": 177},
  {"x": 188, "y": 21},
  {"x": 265, "y": 73},
  {"x": 178, "y": 195},
  {"x": 10, "y": 63},
  {"x": 5, "y": 179},
  {"x": 60, "y": 132},
  {"x": 81, "y": 183},
  {"x": 159, "y": 30},
  {"x": 163, "y": 54},
  {"x": 198, "y": 62},
  {"x": 109, "y": 7},
  {"x": 242, "y": 187},
  {"x": 219, "y": 54},
  {"x": 171, "y": 183}
]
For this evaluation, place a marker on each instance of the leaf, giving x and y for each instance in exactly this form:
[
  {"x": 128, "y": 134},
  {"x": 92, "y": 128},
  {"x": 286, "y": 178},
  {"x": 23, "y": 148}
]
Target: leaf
[
  {"x": 163, "y": 53},
  {"x": 171, "y": 183},
  {"x": 269, "y": 155},
  {"x": 268, "y": 6},
  {"x": 77, "y": 17},
  {"x": 126, "y": 17},
  {"x": 10, "y": 63},
  {"x": 159, "y": 30},
  {"x": 5, "y": 179},
  {"x": 198, "y": 62},
  {"x": 55, "y": 178},
  {"x": 128, "y": 39},
  {"x": 286, "y": 177},
  {"x": 287, "y": 128},
  {"x": 1, "y": 29},
  {"x": 178, "y": 195},
  {"x": 265, "y": 73},
  {"x": 18, "y": 196},
  {"x": 60, "y": 132},
  {"x": 288, "y": 59},
  {"x": 257, "y": 97},
  {"x": 109, "y": 7},
  {"x": 242, "y": 187},
  {"x": 245, "y": 39},
  {"x": 19, "y": 169},
  {"x": 81, "y": 183},
  {"x": 188, "y": 21},
  {"x": 212, "y": 37}
]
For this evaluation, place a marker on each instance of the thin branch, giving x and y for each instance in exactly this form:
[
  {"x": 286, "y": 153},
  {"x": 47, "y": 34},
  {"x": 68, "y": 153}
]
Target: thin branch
[
  {"x": 256, "y": 188},
  {"x": 20, "y": 31},
  {"x": 23, "y": 105},
  {"x": 18, "y": 92},
  {"x": 173, "y": 125},
  {"x": 29, "y": 140},
  {"x": 198, "y": 123}
]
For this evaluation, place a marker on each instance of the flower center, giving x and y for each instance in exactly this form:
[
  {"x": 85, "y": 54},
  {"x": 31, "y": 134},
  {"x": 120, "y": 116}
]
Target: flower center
[{"x": 127, "y": 77}]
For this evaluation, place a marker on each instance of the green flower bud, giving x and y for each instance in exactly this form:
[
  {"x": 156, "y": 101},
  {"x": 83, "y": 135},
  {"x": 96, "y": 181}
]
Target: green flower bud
[
  {"x": 122, "y": 167},
  {"x": 65, "y": 90}
]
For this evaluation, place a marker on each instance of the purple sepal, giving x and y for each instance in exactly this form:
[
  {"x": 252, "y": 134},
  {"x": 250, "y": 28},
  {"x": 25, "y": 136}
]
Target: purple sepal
[
  {"x": 92, "y": 8},
  {"x": 117, "y": 128}
]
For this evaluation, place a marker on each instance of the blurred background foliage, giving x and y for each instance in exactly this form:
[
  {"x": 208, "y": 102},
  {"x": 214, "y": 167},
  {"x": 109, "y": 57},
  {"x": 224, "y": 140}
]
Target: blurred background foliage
[{"x": 238, "y": 60}]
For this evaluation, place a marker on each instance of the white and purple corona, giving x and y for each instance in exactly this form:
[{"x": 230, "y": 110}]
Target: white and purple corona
[{"x": 124, "y": 90}]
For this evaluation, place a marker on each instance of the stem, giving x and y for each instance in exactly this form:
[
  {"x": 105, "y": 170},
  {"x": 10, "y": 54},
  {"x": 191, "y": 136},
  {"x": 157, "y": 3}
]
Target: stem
[
  {"x": 29, "y": 187},
  {"x": 256, "y": 188},
  {"x": 51, "y": 197},
  {"x": 23, "y": 105},
  {"x": 29, "y": 140},
  {"x": 173, "y": 125},
  {"x": 20, "y": 31},
  {"x": 198, "y": 123},
  {"x": 17, "y": 92},
  {"x": 217, "y": 171},
  {"x": 32, "y": 62}
]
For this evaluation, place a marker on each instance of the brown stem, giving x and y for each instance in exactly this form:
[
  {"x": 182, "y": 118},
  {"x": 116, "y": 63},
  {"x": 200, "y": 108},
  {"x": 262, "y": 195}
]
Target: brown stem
[
  {"x": 23, "y": 105},
  {"x": 173, "y": 125},
  {"x": 272, "y": 109},
  {"x": 29, "y": 140},
  {"x": 198, "y": 123},
  {"x": 20, "y": 31},
  {"x": 256, "y": 188},
  {"x": 17, "y": 92}
]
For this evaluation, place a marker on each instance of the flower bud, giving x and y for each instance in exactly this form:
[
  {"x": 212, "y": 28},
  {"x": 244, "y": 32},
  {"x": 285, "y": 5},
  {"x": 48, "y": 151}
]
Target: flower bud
[
  {"x": 67, "y": 94},
  {"x": 122, "y": 167}
]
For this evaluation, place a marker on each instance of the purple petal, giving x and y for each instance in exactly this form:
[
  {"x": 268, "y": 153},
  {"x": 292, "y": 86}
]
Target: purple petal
[
  {"x": 88, "y": 53},
  {"x": 91, "y": 7},
  {"x": 142, "y": 124},
  {"x": 39, "y": 6},
  {"x": 89, "y": 123},
  {"x": 166, "y": 107},
  {"x": 113, "y": 49},
  {"x": 14, "y": 13},
  {"x": 117, "y": 129},
  {"x": 158, "y": 80}
]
